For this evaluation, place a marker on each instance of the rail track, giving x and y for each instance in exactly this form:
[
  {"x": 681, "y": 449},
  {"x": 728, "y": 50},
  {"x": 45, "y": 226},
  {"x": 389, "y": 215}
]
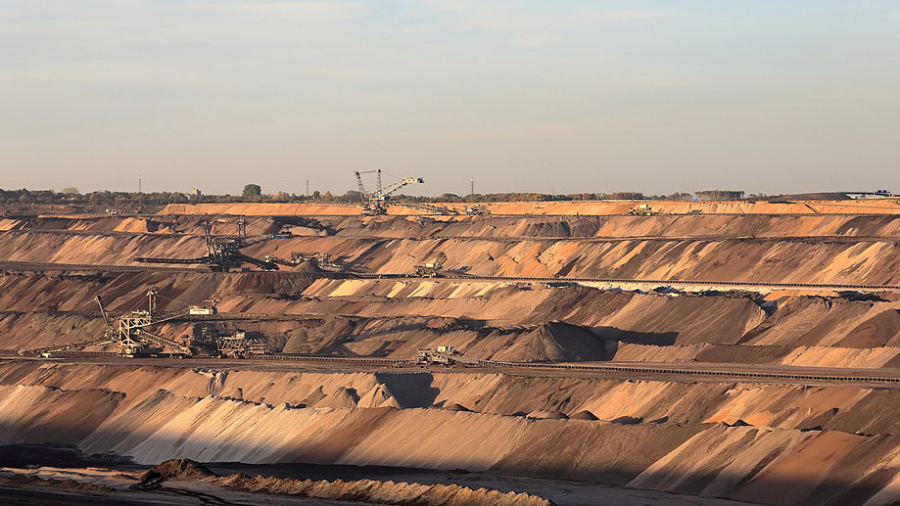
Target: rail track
[
  {"x": 100, "y": 233},
  {"x": 14, "y": 265},
  {"x": 626, "y": 370},
  {"x": 598, "y": 239},
  {"x": 648, "y": 368},
  {"x": 455, "y": 277},
  {"x": 185, "y": 317},
  {"x": 892, "y": 212},
  {"x": 792, "y": 215},
  {"x": 623, "y": 281},
  {"x": 821, "y": 239}
]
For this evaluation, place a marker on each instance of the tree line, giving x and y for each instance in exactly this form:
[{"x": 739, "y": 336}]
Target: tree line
[{"x": 135, "y": 201}]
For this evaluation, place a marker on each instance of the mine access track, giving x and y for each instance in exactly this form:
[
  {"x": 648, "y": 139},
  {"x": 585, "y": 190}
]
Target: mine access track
[
  {"x": 621, "y": 281},
  {"x": 489, "y": 238},
  {"x": 689, "y": 371},
  {"x": 10, "y": 265},
  {"x": 693, "y": 370}
]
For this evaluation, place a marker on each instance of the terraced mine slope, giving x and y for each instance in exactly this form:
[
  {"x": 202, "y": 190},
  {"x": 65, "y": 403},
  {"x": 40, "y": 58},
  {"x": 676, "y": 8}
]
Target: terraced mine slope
[{"x": 597, "y": 357}]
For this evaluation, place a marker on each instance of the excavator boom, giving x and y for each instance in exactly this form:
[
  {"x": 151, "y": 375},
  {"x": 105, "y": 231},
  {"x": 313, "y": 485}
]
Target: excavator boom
[
  {"x": 374, "y": 202},
  {"x": 392, "y": 188},
  {"x": 359, "y": 181},
  {"x": 103, "y": 313}
]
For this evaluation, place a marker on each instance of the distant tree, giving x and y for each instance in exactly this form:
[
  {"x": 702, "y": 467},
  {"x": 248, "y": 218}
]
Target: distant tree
[
  {"x": 252, "y": 190},
  {"x": 281, "y": 197},
  {"x": 316, "y": 195},
  {"x": 352, "y": 196},
  {"x": 624, "y": 196},
  {"x": 71, "y": 191},
  {"x": 680, "y": 196},
  {"x": 719, "y": 195},
  {"x": 449, "y": 197}
]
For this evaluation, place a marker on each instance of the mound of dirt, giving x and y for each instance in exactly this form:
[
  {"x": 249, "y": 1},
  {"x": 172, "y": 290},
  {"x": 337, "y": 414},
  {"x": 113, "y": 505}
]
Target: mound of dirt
[
  {"x": 323, "y": 339},
  {"x": 341, "y": 398},
  {"x": 556, "y": 342},
  {"x": 881, "y": 330},
  {"x": 174, "y": 469},
  {"x": 547, "y": 415},
  {"x": 381, "y": 492},
  {"x": 584, "y": 415},
  {"x": 19, "y": 480}
]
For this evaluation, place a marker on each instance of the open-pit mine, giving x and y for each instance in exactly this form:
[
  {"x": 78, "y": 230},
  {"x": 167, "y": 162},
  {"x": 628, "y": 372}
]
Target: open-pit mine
[{"x": 568, "y": 353}]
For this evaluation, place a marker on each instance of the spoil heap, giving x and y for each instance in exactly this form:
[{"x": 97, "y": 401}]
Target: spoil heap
[{"x": 708, "y": 436}]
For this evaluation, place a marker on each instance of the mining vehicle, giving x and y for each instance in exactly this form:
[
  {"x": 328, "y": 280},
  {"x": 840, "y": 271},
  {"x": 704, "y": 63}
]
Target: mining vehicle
[{"x": 429, "y": 270}]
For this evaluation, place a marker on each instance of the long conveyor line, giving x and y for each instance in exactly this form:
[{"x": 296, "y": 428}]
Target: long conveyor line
[
  {"x": 613, "y": 368},
  {"x": 43, "y": 266},
  {"x": 626, "y": 370}
]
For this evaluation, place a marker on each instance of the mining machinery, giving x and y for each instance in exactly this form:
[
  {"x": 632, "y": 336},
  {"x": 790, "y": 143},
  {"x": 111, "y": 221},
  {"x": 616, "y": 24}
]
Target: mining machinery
[
  {"x": 429, "y": 270},
  {"x": 431, "y": 208},
  {"x": 131, "y": 332},
  {"x": 221, "y": 255},
  {"x": 241, "y": 344},
  {"x": 375, "y": 202},
  {"x": 441, "y": 355},
  {"x": 643, "y": 210},
  {"x": 229, "y": 343},
  {"x": 242, "y": 231}
]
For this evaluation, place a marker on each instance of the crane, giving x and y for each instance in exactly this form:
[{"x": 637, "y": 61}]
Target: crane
[{"x": 375, "y": 202}]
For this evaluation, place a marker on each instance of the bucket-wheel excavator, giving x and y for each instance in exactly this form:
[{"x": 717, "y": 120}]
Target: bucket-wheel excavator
[
  {"x": 375, "y": 202},
  {"x": 221, "y": 255},
  {"x": 131, "y": 332}
]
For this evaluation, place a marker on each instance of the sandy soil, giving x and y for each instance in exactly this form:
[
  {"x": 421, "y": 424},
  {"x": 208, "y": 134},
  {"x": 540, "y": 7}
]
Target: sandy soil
[
  {"x": 572, "y": 438},
  {"x": 90, "y": 480},
  {"x": 645, "y": 434},
  {"x": 790, "y": 261}
]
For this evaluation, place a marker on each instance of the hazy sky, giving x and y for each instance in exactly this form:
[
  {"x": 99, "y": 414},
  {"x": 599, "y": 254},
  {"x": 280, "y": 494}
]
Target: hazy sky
[{"x": 556, "y": 95}]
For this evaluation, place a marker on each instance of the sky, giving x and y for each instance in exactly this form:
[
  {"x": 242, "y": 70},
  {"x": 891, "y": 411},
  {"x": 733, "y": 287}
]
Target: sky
[{"x": 558, "y": 96}]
